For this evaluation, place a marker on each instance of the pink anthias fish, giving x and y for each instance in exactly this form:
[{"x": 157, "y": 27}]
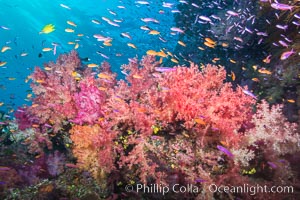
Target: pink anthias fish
[
  {"x": 287, "y": 54},
  {"x": 204, "y": 18},
  {"x": 178, "y": 30},
  {"x": 247, "y": 92},
  {"x": 164, "y": 69},
  {"x": 224, "y": 150},
  {"x": 281, "y": 6},
  {"x": 101, "y": 38},
  {"x": 232, "y": 13},
  {"x": 54, "y": 49},
  {"x": 148, "y": 19},
  {"x": 142, "y": 2}
]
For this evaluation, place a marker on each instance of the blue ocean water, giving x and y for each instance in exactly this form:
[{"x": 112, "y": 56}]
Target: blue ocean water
[
  {"x": 22, "y": 21},
  {"x": 249, "y": 38}
]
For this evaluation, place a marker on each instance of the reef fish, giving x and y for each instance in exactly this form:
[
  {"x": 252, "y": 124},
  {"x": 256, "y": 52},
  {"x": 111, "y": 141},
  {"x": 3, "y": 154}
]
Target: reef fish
[
  {"x": 281, "y": 6},
  {"x": 226, "y": 151}
]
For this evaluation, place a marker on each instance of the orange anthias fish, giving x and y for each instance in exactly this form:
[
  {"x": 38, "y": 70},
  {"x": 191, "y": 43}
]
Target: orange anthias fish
[
  {"x": 209, "y": 44},
  {"x": 154, "y": 32},
  {"x": 233, "y": 76},
  {"x": 210, "y": 41},
  {"x": 151, "y": 53},
  {"x": 200, "y": 121},
  {"x": 104, "y": 76},
  {"x": 264, "y": 71},
  {"x": 267, "y": 59},
  {"x": 91, "y": 65}
]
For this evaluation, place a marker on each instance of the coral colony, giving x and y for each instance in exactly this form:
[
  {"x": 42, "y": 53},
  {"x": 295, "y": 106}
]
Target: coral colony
[{"x": 160, "y": 128}]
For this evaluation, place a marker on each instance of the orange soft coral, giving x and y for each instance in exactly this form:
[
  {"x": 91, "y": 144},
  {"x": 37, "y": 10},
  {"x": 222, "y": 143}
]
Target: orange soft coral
[{"x": 92, "y": 147}]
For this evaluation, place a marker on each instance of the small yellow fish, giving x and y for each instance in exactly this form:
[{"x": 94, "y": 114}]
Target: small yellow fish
[
  {"x": 131, "y": 45},
  {"x": 91, "y": 65},
  {"x": 162, "y": 54},
  {"x": 154, "y": 32},
  {"x": 2, "y": 63},
  {"x": 5, "y": 48},
  {"x": 71, "y": 23},
  {"x": 232, "y": 61},
  {"x": 1, "y": 103},
  {"x": 11, "y": 78},
  {"x": 46, "y": 49},
  {"x": 174, "y": 60},
  {"x": 48, "y": 68},
  {"x": 255, "y": 79},
  {"x": 161, "y": 60},
  {"x": 252, "y": 171},
  {"x": 201, "y": 48},
  {"x": 74, "y": 74},
  {"x": 254, "y": 67},
  {"x": 182, "y": 43},
  {"x": 80, "y": 35},
  {"x": 69, "y": 30},
  {"x": 76, "y": 46},
  {"x": 71, "y": 42},
  {"x": 169, "y": 53},
  {"x": 49, "y": 28},
  {"x": 156, "y": 129}
]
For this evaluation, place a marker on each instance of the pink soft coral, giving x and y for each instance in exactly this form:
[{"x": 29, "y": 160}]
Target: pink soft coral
[
  {"x": 180, "y": 95},
  {"x": 88, "y": 102},
  {"x": 53, "y": 89}
]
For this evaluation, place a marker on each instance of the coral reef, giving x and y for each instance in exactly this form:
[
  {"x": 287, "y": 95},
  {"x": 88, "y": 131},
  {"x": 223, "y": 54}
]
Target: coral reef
[{"x": 168, "y": 126}]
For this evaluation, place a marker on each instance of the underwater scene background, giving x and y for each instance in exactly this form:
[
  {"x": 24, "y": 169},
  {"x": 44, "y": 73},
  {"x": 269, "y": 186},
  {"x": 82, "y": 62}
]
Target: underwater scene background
[{"x": 178, "y": 99}]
